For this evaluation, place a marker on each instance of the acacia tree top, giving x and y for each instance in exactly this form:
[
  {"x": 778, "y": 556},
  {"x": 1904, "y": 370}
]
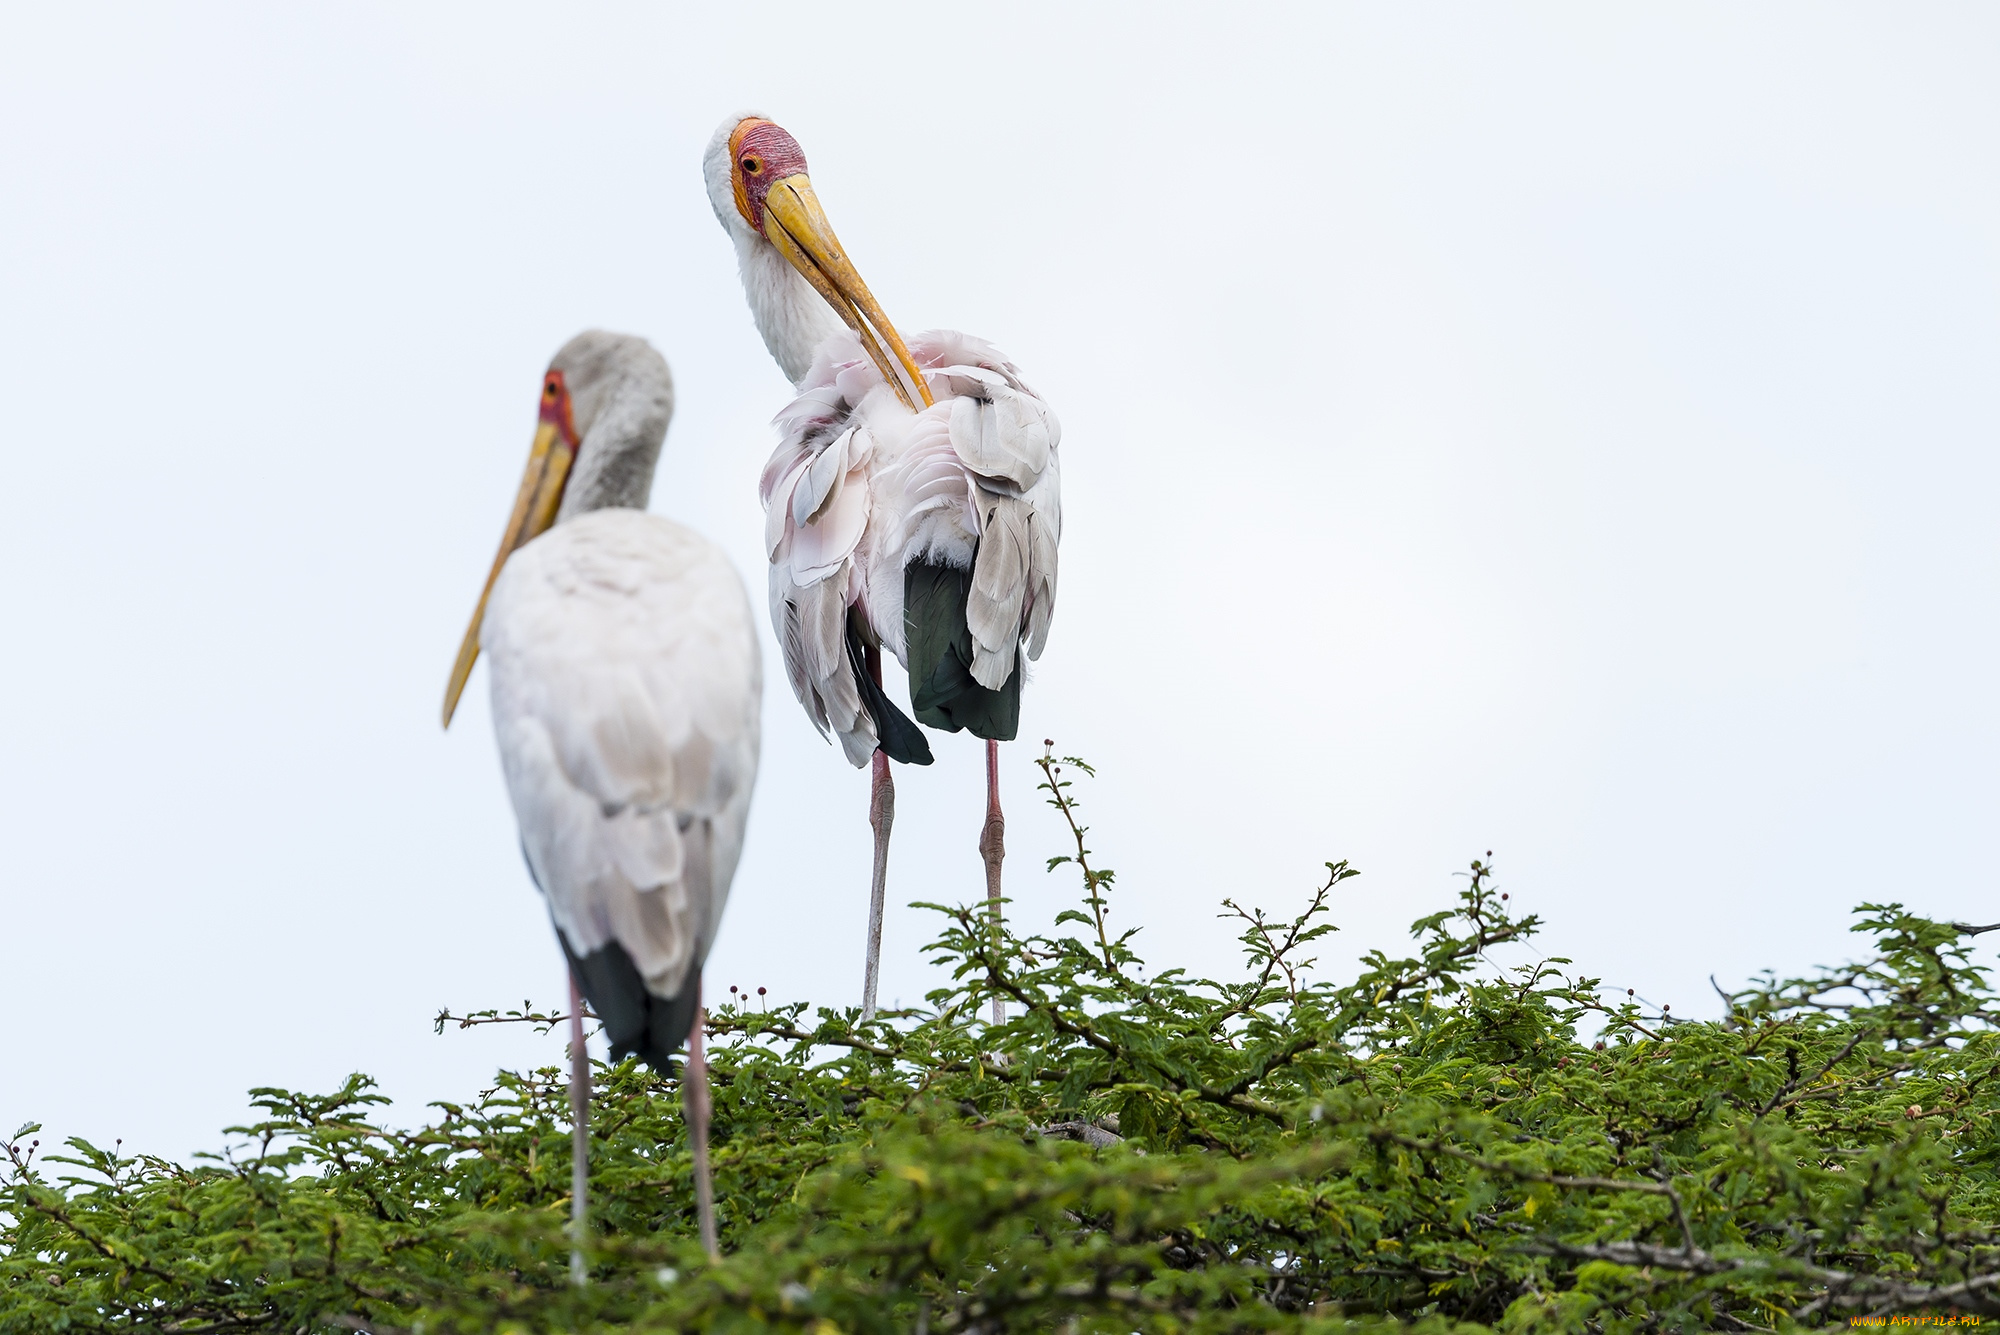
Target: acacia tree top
[{"x": 1429, "y": 1143}]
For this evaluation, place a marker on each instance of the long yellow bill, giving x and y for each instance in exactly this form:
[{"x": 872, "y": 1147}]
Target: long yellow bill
[
  {"x": 797, "y": 226},
  {"x": 535, "y": 505}
]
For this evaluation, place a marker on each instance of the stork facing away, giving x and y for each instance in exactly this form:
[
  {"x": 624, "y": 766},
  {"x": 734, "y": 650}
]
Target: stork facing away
[
  {"x": 625, "y": 683},
  {"x": 913, "y": 503}
]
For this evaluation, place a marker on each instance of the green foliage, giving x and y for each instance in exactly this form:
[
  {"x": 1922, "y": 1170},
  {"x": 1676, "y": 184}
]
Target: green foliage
[{"x": 1428, "y": 1145}]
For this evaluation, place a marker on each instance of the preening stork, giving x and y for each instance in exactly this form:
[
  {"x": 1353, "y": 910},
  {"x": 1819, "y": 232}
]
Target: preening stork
[
  {"x": 913, "y": 503},
  {"x": 625, "y": 683}
]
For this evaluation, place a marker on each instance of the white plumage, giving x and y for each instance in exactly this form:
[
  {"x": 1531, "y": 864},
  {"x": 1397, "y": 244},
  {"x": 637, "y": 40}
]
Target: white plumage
[
  {"x": 860, "y": 486},
  {"x": 913, "y": 503},
  {"x": 625, "y": 686},
  {"x": 625, "y": 690},
  {"x": 625, "y": 701}
]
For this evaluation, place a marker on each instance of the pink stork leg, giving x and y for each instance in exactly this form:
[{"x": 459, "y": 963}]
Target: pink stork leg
[
  {"x": 694, "y": 1090},
  {"x": 881, "y": 815},
  {"x": 993, "y": 847},
  {"x": 579, "y": 1139}
]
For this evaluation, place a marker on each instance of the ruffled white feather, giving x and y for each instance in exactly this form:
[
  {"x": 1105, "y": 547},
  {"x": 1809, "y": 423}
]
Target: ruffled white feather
[
  {"x": 860, "y": 486},
  {"x": 625, "y": 683}
]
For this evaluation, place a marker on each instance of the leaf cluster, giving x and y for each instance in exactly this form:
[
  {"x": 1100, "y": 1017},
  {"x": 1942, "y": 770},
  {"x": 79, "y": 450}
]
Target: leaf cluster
[{"x": 1443, "y": 1141}]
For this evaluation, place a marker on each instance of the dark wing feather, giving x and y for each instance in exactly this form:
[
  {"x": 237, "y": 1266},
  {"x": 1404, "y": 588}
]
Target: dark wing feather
[
  {"x": 901, "y": 740},
  {"x": 943, "y": 691},
  {"x": 636, "y": 1022}
]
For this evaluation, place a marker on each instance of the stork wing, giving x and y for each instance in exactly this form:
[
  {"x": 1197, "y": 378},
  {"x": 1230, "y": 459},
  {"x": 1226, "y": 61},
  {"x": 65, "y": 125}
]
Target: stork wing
[
  {"x": 859, "y": 487},
  {"x": 1008, "y": 439},
  {"x": 625, "y": 700},
  {"x": 816, "y": 510}
]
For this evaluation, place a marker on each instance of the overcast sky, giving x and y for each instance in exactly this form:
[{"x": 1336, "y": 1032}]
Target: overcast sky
[{"x": 1565, "y": 431}]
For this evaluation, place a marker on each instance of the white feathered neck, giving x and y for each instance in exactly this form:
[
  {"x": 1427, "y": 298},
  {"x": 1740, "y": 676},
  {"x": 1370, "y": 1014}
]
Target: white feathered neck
[{"x": 621, "y": 398}]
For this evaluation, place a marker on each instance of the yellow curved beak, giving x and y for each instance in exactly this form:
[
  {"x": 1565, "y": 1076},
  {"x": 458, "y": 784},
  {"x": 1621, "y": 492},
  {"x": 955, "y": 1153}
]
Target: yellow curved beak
[
  {"x": 797, "y": 226},
  {"x": 549, "y": 461}
]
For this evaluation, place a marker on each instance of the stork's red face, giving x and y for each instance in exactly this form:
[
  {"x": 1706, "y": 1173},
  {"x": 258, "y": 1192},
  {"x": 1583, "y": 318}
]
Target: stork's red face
[
  {"x": 556, "y": 410},
  {"x": 767, "y": 169},
  {"x": 761, "y": 153}
]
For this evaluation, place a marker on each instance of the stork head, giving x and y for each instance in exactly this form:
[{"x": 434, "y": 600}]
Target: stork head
[
  {"x": 761, "y": 153},
  {"x": 758, "y": 186},
  {"x": 605, "y": 402}
]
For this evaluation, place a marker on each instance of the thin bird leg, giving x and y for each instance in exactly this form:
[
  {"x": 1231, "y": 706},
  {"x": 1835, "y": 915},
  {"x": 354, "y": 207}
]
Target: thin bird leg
[
  {"x": 993, "y": 847},
  {"x": 881, "y": 815},
  {"x": 694, "y": 1088},
  {"x": 579, "y": 1139}
]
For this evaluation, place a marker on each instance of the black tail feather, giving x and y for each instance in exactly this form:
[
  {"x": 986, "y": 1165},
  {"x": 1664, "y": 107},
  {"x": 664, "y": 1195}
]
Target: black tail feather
[
  {"x": 901, "y": 740},
  {"x": 637, "y": 1022},
  {"x": 943, "y": 691}
]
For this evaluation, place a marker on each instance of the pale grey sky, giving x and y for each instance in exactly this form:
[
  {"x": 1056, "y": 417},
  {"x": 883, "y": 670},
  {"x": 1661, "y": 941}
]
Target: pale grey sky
[{"x": 1561, "y": 430}]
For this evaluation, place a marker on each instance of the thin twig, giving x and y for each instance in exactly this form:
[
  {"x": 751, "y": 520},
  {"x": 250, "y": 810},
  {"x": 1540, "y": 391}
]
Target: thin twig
[{"x": 1062, "y": 802}]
